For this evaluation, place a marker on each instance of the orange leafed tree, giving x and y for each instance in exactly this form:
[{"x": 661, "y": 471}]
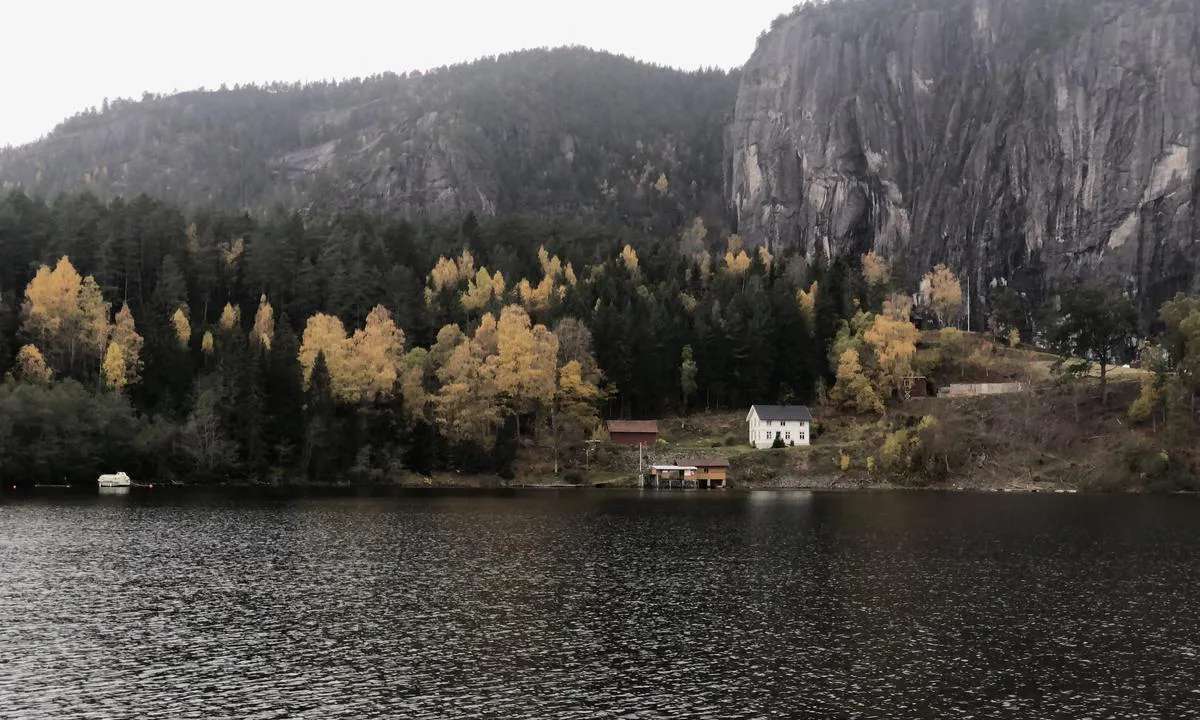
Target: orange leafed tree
[
  {"x": 944, "y": 294},
  {"x": 894, "y": 343},
  {"x": 66, "y": 316},
  {"x": 123, "y": 359},
  {"x": 466, "y": 407},
  {"x": 32, "y": 367},
  {"x": 875, "y": 269},
  {"x": 484, "y": 290},
  {"x": 362, "y": 368},
  {"x": 231, "y": 317},
  {"x": 853, "y": 389},
  {"x": 377, "y": 356},
  {"x": 182, "y": 326},
  {"x": 325, "y": 334},
  {"x": 115, "y": 375},
  {"x": 630, "y": 258},
  {"x": 737, "y": 264},
  {"x": 525, "y": 361},
  {"x": 264, "y": 324}
]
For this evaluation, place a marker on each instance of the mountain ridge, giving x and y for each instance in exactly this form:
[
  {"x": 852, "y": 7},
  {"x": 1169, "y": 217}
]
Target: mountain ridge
[
  {"x": 1023, "y": 144},
  {"x": 567, "y": 130}
]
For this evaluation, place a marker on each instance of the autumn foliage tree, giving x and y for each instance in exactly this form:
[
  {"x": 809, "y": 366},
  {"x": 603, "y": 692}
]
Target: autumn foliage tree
[
  {"x": 467, "y": 404},
  {"x": 66, "y": 316},
  {"x": 524, "y": 365},
  {"x": 875, "y": 269},
  {"x": 181, "y": 326},
  {"x": 893, "y": 344},
  {"x": 32, "y": 367},
  {"x": 123, "y": 359},
  {"x": 574, "y": 416},
  {"x": 361, "y": 368},
  {"x": 853, "y": 389},
  {"x": 264, "y": 324},
  {"x": 943, "y": 293}
]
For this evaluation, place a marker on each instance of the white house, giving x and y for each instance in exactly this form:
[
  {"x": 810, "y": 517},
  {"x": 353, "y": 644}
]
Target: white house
[{"x": 789, "y": 423}]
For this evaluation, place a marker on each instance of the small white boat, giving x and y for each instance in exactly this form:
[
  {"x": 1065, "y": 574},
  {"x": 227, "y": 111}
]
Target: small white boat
[{"x": 114, "y": 480}]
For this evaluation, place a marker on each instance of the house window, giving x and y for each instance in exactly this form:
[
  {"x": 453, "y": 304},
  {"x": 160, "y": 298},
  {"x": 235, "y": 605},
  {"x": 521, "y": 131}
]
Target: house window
[
  {"x": 801, "y": 435},
  {"x": 782, "y": 423},
  {"x": 787, "y": 436}
]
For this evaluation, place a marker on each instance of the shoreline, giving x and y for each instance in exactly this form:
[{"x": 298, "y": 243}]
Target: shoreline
[{"x": 488, "y": 485}]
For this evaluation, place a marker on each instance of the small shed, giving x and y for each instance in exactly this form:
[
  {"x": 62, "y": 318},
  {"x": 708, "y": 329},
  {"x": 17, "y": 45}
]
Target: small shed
[
  {"x": 633, "y": 432},
  {"x": 914, "y": 386}
]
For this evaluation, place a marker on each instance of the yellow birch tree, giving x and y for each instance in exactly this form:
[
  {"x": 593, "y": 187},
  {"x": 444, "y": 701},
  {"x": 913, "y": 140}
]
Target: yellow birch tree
[
  {"x": 129, "y": 343},
  {"x": 894, "y": 343},
  {"x": 231, "y": 317},
  {"x": 115, "y": 377},
  {"x": 853, "y": 389},
  {"x": 945, "y": 295},
  {"x": 875, "y": 269},
  {"x": 182, "y": 326},
  {"x": 378, "y": 356},
  {"x": 264, "y": 324},
  {"x": 66, "y": 315},
  {"x": 32, "y": 367}
]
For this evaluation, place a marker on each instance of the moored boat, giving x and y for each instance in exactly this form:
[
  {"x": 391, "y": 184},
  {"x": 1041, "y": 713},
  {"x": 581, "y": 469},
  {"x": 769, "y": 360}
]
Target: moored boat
[{"x": 114, "y": 480}]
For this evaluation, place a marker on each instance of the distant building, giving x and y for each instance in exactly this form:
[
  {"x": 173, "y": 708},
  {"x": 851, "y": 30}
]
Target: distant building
[
  {"x": 789, "y": 423},
  {"x": 633, "y": 432},
  {"x": 958, "y": 390},
  {"x": 914, "y": 386},
  {"x": 703, "y": 474},
  {"x": 710, "y": 472}
]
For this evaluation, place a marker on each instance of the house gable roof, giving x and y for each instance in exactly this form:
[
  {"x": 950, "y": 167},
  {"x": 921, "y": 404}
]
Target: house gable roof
[
  {"x": 786, "y": 413},
  {"x": 633, "y": 426}
]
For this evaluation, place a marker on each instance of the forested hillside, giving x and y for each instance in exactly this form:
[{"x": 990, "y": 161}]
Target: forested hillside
[
  {"x": 567, "y": 131},
  {"x": 218, "y": 346},
  {"x": 441, "y": 344}
]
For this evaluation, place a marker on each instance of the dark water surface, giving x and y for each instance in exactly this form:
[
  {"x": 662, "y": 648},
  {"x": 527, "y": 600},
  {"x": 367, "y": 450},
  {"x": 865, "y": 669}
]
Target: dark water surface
[{"x": 601, "y": 604}]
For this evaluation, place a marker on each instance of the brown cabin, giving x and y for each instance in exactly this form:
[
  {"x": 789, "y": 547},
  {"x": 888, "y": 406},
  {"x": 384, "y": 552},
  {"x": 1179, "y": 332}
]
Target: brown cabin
[
  {"x": 633, "y": 432},
  {"x": 711, "y": 472}
]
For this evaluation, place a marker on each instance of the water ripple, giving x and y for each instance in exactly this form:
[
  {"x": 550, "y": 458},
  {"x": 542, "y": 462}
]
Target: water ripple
[{"x": 600, "y": 605}]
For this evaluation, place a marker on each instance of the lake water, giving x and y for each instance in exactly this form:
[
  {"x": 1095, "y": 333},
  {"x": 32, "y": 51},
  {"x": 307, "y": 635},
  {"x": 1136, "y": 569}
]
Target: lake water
[{"x": 600, "y": 604}]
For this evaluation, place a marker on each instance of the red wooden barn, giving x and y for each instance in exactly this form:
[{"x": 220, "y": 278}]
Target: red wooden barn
[{"x": 633, "y": 432}]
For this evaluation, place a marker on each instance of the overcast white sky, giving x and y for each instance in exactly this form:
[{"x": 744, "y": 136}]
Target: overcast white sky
[{"x": 66, "y": 55}]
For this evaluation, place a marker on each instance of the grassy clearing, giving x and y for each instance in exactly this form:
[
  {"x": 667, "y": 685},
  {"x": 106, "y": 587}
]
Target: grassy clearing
[{"x": 1057, "y": 436}]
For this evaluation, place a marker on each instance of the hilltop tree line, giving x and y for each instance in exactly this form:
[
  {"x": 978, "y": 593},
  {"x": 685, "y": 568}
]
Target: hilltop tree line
[
  {"x": 568, "y": 131},
  {"x": 221, "y": 346}
]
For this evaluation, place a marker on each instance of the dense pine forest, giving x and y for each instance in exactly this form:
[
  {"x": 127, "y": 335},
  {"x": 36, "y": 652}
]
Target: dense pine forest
[{"x": 218, "y": 345}]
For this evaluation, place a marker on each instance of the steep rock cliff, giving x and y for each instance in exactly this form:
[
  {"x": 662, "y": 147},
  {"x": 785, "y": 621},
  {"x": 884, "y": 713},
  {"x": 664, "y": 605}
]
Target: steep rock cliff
[{"x": 1020, "y": 141}]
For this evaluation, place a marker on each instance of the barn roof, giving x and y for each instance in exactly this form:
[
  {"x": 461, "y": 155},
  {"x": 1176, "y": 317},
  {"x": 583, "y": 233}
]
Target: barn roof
[
  {"x": 633, "y": 426},
  {"x": 789, "y": 413}
]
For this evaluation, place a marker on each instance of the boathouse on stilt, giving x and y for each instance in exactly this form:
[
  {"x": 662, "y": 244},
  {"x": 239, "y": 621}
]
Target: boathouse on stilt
[{"x": 692, "y": 474}]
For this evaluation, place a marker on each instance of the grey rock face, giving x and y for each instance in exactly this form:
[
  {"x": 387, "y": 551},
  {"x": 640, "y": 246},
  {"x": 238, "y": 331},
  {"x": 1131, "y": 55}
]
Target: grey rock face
[{"x": 1019, "y": 141}]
